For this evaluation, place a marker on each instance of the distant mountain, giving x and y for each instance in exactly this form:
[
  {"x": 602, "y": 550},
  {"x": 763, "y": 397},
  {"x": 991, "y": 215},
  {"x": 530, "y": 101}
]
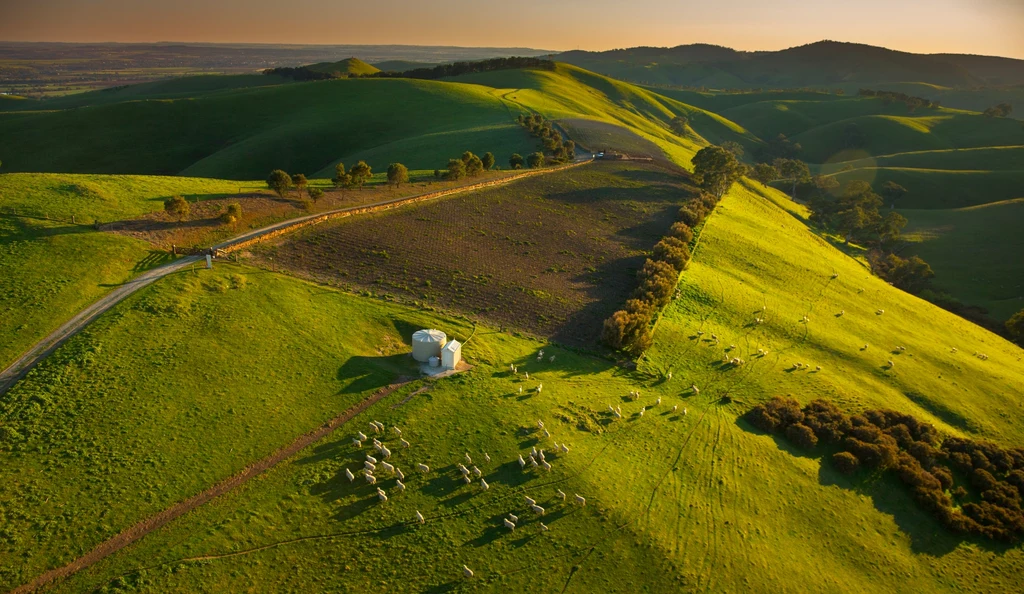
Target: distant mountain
[
  {"x": 821, "y": 64},
  {"x": 350, "y": 66}
]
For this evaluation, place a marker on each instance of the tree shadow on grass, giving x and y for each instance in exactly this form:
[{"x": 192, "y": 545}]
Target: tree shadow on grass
[
  {"x": 889, "y": 496},
  {"x": 366, "y": 373}
]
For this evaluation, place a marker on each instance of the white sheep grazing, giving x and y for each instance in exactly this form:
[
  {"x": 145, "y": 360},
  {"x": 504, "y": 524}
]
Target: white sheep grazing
[
  {"x": 817, "y": 368},
  {"x": 462, "y": 469},
  {"x": 565, "y": 449},
  {"x": 371, "y": 479},
  {"x": 467, "y": 571},
  {"x": 642, "y": 411},
  {"x": 348, "y": 474},
  {"x": 529, "y": 500},
  {"x": 382, "y": 496},
  {"x": 487, "y": 456},
  {"x": 468, "y": 459},
  {"x": 466, "y": 479},
  {"x": 533, "y": 462},
  {"x": 369, "y": 466},
  {"x": 551, "y": 359},
  {"x": 477, "y": 472},
  {"x": 658, "y": 402},
  {"x": 361, "y": 436},
  {"x": 880, "y": 312},
  {"x": 377, "y": 445},
  {"x": 513, "y": 517},
  {"x": 540, "y": 387},
  {"x": 732, "y": 347},
  {"x": 835, "y": 275},
  {"x": 533, "y": 452},
  {"x": 540, "y": 424},
  {"x": 357, "y": 443},
  {"x": 546, "y": 466},
  {"x": 674, "y": 407},
  {"x": 370, "y": 458},
  {"x": 611, "y": 409},
  {"x": 420, "y": 518},
  {"x": 561, "y": 494},
  {"x": 537, "y": 510},
  {"x": 399, "y": 474},
  {"x": 397, "y": 431},
  {"x": 891, "y": 364},
  {"x": 385, "y": 452},
  {"x": 669, "y": 375},
  {"x": 954, "y": 349},
  {"x": 865, "y": 347},
  {"x": 375, "y": 429},
  {"x": 423, "y": 468},
  {"x": 387, "y": 467},
  {"x": 484, "y": 485},
  {"x": 520, "y": 389},
  {"x": 694, "y": 388},
  {"x": 714, "y": 337},
  {"x": 522, "y": 462},
  {"x": 842, "y": 312},
  {"x": 509, "y": 524},
  {"x": 684, "y": 412},
  {"x": 541, "y": 352},
  {"x": 700, "y": 333},
  {"x": 403, "y": 443},
  {"x": 540, "y": 455},
  {"x": 400, "y": 485},
  {"x": 579, "y": 499},
  {"x": 543, "y": 527},
  {"x": 547, "y": 433},
  {"x": 527, "y": 375}
]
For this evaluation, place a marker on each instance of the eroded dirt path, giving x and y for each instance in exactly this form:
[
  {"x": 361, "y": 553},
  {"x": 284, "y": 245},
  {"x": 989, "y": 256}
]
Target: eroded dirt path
[{"x": 141, "y": 529}]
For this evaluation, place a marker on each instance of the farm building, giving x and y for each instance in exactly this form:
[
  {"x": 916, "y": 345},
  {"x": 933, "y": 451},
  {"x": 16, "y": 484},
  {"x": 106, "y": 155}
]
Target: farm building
[
  {"x": 427, "y": 344},
  {"x": 451, "y": 354}
]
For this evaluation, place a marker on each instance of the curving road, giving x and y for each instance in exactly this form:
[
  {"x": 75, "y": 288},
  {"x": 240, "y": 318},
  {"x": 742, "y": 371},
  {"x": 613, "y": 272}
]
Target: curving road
[{"x": 46, "y": 346}]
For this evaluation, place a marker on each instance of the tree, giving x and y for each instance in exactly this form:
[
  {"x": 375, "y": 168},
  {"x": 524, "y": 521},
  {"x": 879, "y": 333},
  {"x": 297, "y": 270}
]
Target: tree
[
  {"x": 911, "y": 274},
  {"x": 765, "y": 173},
  {"x": 1015, "y": 326},
  {"x": 456, "y": 169},
  {"x": 232, "y": 214},
  {"x": 176, "y": 206},
  {"x": 300, "y": 182},
  {"x": 341, "y": 178},
  {"x": 892, "y": 192},
  {"x": 715, "y": 170},
  {"x": 279, "y": 181},
  {"x": 488, "y": 161},
  {"x": 397, "y": 174},
  {"x": 535, "y": 160},
  {"x": 793, "y": 170},
  {"x": 316, "y": 194},
  {"x": 999, "y": 111},
  {"x": 679, "y": 125},
  {"x": 360, "y": 173},
  {"x": 733, "y": 147},
  {"x": 889, "y": 228},
  {"x": 474, "y": 165},
  {"x": 570, "y": 149},
  {"x": 516, "y": 161}
]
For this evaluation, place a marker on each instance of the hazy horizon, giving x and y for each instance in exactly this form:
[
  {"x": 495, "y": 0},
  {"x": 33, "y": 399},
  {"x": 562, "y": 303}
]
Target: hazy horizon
[{"x": 983, "y": 27}]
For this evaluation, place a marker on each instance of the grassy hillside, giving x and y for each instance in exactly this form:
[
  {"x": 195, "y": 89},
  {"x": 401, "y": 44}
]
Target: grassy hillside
[
  {"x": 245, "y": 133},
  {"x": 674, "y": 502},
  {"x": 52, "y": 268},
  {"x": 969, "y": 249},
  {"x": 347, "y": 67}
]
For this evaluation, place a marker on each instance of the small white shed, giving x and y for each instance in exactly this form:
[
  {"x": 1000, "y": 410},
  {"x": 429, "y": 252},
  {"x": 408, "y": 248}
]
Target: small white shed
[{"x": 451, "y": 354}]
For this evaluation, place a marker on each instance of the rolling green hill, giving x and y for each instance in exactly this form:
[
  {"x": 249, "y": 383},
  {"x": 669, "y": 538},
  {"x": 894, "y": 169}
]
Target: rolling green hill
[
  {"x": 674, "y": 501},
  {"x": 346, "y": 67}
]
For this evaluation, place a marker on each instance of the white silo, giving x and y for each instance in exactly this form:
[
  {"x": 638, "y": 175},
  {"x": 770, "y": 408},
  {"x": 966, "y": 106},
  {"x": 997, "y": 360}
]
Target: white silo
[{"x": 427, "y": 344}]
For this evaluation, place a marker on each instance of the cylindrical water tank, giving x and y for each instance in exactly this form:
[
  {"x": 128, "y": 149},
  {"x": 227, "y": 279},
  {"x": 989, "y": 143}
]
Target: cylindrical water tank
[
  {"x": 427, "y": 344},
  {"x": 435, "y": 361}
]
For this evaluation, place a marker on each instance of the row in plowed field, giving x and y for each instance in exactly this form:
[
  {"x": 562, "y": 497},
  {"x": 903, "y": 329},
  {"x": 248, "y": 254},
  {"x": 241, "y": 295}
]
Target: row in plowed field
[{"x": 553, "y": 255}]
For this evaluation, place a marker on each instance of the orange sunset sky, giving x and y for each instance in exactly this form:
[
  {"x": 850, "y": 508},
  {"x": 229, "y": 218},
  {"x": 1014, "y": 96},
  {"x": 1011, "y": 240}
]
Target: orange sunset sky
[{"x": 994, "y": 27}]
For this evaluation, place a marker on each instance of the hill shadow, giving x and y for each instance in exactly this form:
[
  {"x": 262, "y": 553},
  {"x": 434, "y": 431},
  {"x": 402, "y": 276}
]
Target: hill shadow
[
  {"x": 366, "y": 373},
  {"x": 889, "y": 496}
]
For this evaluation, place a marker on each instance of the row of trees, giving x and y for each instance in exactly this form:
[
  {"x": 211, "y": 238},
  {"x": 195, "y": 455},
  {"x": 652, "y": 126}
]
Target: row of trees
[
  {"x": 999, "y": 111},
  {"x": 912, "y": 103},
  {"x": 303, "y": 73},
  {"x": 559, "y": 149},
  {"x": 179, "y": 208},
  {"x": 469, "y": 165},
  {"x": 988, "y": 500}
]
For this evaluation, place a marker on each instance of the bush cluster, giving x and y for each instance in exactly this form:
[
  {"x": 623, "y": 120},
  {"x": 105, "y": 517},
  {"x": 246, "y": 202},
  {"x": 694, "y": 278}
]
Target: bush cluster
[
  {"x": 629, "y": 329},
  {"x": 558, "y": 149},
  {"x": 971, "y": 487}
]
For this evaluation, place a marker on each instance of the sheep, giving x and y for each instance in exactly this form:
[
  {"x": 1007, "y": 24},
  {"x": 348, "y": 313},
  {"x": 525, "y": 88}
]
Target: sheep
[
  {"x": 487, "y": 457},
  {"x": 522, "y": 462},
  {"x": 375, "y": 429},
  {"x": 540, "y": 353},
  {"x": 669, "y": 376},
  {"x": 537, "y": 509},
  {"x": 618, "y": 410},
  {"x": 540, "y": 387},
  {"x": 551, "y": 359},
  {"x": 385, "y": 452},
  {"x": 468, "y": 459},
  {"x": 484, "y": 485},
  {"x": 529, "y": 500},
  {"x": 361, "y": 436},
  {"x": 467, "y": 571},
  {"x": 371, "y": 479},
  {"x": 377, "y": 445},
  {"x": 527, "y": 375},
  {"x": 546, "y": 466},
  {"x": 509, "y": 524},
  {"x": 547, "y": 433},
  {"x": 369, "y": 466},
  {"x": 423, "y": 468},
  {"x": 714, "y": 337},
  {"x": 513, "y": 517},
  {"x": 466, "y": 479},
  {"x": 611, "y": 409},
  {"x": 540, "y": 424},
  {"x": 533, "y": 462},
  {"x": 543, "y": 527},
  {"x": 835, "y": 275},
  {"x": 694, "y": 388},
  {"x": 540, "y": 455},
  {"x": 357, "y": 443},
  {"x": 879, "y": 312},
  {"x": 865, "y": 347},
  {"x": 700, "y": 333},
  {"x": 618, "y": 414},
  {"x": 462, "y": 469},
  {"x": 387, "y": 467},
  {"x": 565, "y": 449},
  {"x": 477, "y": 472},
  {"x": 954, "y": 349},
  {"x": 348, "y": 474},
  {"x": 658, "y": 401},
  {"x": 642, "y": 410},
  {"x": 397, "y": 431},
  {"x": 674, "y": 407},
  {"x": 580, "y": 499},
  {"x": 817, "y": 368},
  {"x": 684, "y": 412},
  {"x": 382, "y": 496},
  {"x": 370, "y": 458},
  {"x": 420, "y": 518},
  {"x": 561, "y": 494},
  {"x": 533, "y": 452},
  {"x": 520, "y": 389},
  {"x": 891, "y": 364},
  {"x": 400, "y": 486},
  {"x": 805, "y": 319},
  {"x": 732, "y": 347},
  {"x": 403, "y": 443},
  {"x": 399, "y": 474},
  {"x": 842, "y": 312}
]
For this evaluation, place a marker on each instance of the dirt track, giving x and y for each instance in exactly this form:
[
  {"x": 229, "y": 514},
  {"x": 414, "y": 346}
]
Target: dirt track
[{"x": 141, "y": 529}]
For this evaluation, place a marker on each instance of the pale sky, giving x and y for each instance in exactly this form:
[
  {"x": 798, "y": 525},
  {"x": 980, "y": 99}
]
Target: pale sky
[{"x": 994, "y": 27}]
